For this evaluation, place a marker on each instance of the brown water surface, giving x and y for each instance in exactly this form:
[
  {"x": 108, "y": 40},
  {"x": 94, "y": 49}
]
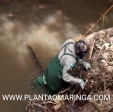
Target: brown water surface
[{"x": 44, "y": 25}]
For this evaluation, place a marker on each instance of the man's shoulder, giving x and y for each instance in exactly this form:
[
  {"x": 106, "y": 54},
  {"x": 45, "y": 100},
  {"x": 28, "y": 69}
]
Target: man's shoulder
[{"x": 68, "y": 41}]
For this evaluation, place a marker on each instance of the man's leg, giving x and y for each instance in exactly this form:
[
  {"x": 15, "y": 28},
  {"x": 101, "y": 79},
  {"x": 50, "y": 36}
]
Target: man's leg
[{"x": 39, "y": 81}]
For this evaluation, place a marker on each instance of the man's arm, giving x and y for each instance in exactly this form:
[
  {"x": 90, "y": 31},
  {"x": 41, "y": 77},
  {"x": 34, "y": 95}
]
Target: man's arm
[
  {"x": 67, "y": 77},
  {"x": 85, "y": 64}
]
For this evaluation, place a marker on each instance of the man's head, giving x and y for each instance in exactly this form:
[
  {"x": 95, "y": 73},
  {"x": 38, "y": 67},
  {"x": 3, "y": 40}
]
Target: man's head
[{"x": 81, "y": 48}]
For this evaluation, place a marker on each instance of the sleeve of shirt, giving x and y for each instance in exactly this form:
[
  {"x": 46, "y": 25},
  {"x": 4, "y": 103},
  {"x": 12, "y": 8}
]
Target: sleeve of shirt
[
  {"x": 67, "y": 77},
  {"x": 82, "y": 62}
]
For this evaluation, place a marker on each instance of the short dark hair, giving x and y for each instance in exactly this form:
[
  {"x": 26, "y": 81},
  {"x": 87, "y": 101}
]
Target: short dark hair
[{"x": 78, "y": 46}]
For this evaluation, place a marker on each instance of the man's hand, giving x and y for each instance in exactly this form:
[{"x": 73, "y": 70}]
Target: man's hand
[
  {"x": 86, "y": 65},
  {"x": 82, "y": 84}
]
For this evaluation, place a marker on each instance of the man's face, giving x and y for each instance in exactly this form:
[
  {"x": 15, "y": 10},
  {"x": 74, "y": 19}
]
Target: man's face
[{"x": 81, "y": 50}]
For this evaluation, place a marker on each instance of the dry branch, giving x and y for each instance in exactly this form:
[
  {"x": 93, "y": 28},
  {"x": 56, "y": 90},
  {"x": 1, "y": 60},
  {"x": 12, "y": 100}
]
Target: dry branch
[
  {"x": 97, "y": 21},
  {"x": 91, "y": 49},
  {"x": 35, "y": 58}
]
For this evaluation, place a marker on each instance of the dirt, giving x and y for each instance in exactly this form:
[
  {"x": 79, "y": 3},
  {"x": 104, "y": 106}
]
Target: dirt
[{"x": 100, "y": 81}]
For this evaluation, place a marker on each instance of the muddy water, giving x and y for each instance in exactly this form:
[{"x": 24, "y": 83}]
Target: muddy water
[{"x": 44, "y": 25}]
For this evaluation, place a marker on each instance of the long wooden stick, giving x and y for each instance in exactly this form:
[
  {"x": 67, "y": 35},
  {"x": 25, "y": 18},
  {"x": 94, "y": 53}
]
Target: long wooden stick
[
  {"x": 35, "y": 58},
  {"x": 97, "y": 21},
  {"x": 91, "y": 50}
]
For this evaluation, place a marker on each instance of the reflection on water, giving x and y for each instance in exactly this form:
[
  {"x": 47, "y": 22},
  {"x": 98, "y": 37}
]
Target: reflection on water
[{"x": 44, "y": 27}]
